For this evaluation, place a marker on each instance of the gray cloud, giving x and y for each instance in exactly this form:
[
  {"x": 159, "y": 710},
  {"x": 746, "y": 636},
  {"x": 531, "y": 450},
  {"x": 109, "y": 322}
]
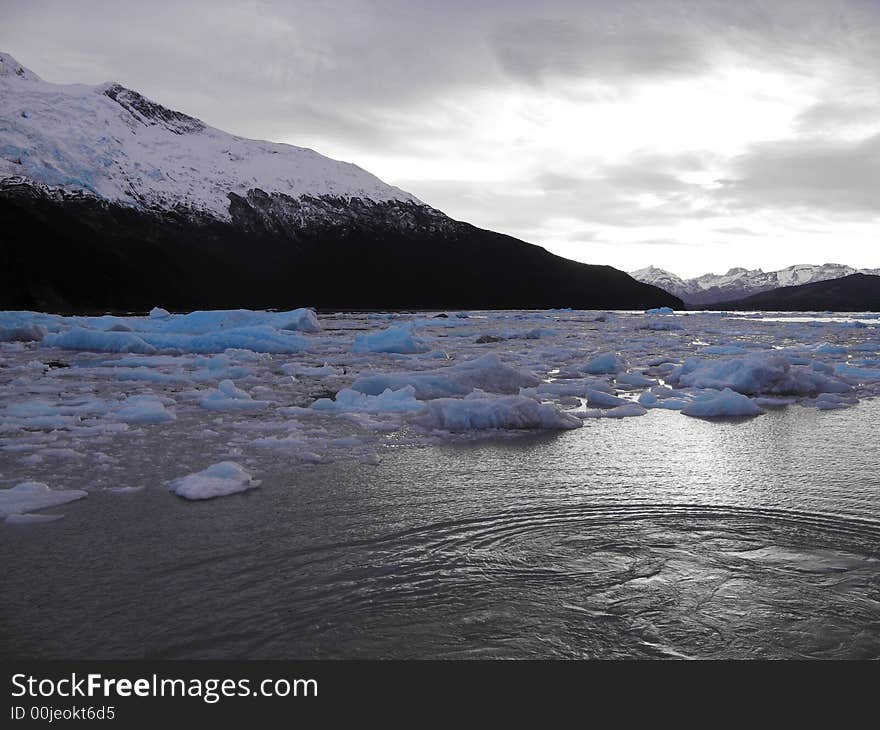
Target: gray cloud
[
  {"x": 736, "y": 231},
  {"x": 832, "y": 117},
  {"x": 346, "y": 67},
  {"x": 534, "y": 50},
  {"x": 607, "y": 195},
  {"x": 662, "y": 242},
  {"x": 836, "y": 176}
]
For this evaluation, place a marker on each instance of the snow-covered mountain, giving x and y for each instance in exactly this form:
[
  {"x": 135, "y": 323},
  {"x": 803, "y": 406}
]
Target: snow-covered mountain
[
  {"x": 664, "y": 279},
  {"x": 739, "y": 282},
  {"x": 109, "y": 200},
  {"x": 120, "y": 146}
]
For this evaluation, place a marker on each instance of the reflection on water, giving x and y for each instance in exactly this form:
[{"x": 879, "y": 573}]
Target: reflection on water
[{"x": 659, "y": 536}]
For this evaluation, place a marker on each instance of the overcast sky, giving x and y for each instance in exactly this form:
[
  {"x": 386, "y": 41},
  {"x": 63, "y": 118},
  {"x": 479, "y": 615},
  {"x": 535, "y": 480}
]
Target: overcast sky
[{"x": 695, "y": 136}]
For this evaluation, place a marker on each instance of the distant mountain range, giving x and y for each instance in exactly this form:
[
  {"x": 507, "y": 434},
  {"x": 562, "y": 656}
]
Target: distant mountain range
[
  {"x": 110, "y": 201},
  {"x": 853, "y": 293},
  {"x": 739, "y": 283}
]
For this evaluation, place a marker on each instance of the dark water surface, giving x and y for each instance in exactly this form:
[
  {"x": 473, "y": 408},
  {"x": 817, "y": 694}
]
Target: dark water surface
[{"x": 649, "y": 537}]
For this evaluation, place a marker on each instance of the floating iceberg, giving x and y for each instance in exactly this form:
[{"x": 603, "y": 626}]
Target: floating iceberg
[
  {"x": 30, "y": 496},
  {"x": 599, "y": 399},
  {"x": 833, "y": 401},
  {"x": 721, "y": 404},
  {"x": 627, "y": 410},
  {"x": 480, "y": 411},
  {"x": 851, "y": 372},
  {"x": 325, "y": 371},
  {"x": 31, "y": 519},
  {"x": 662, "y": 326},
  {"x": 389, "y": 401},
  {"x": 634, "y": 380},
  {"x": 757, "y": 374},
  {"x": 24, "y": 333},
  {"x": 724, "y": 350},
  {"x": 143, "y": 409},
  {"x": 662, "y": 397},
  {"x": 259, "y": 338},
  {"x": 202, "y": 322},
  {"x": 196, "y": 332},
  {"x": 228, "y": 397},
  {"x": 605, "y": 364},
  {"x": 400, "y": 339},
  {"x": 218, "y": 480},
  {"x": 561, "y": 388},
  {"x": 302, "y": 320},
  {"x": 80, "y": 338},
  {"x": 485, "y": 373}
]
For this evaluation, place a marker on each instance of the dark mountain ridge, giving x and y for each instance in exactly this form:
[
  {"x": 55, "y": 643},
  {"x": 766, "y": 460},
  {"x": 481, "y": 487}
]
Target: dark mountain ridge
[
  {"x": 853, "y": 293},
  {"x": 76, "y": 252}
]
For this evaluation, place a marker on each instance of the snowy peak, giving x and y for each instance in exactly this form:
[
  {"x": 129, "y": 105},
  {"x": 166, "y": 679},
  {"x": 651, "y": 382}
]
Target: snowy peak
[
  {"x": 740, "y": 282},
  {"x": 10, "y": 68},
  {"x": 658, "y": 277},
  {"x": 807, "y": 273},
  {"x": 114, "y": 143},
  {"x": 655, "y": 271}
]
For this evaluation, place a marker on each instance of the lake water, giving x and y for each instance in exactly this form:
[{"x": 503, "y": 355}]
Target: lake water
[{"x": 659, "y": 536}]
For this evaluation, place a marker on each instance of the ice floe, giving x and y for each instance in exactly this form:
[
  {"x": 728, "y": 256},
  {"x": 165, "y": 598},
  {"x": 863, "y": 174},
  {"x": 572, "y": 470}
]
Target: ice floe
[
  {"x": 776, "y": 374},
  {"x": 600, "y": 399},
  {"x": 400, "y": 339},
  {"x": 486, "y": 373},
  {"x": 93, "y": 395},
  {"x": 388, "y": 401},
  {"x": 144, "y": 409},
  {"x": 480, "y": 411},
  {"x": 228, "y": 397},
  {"x": 606, "y": 363},
  {"x": 725, "y": 403},
  {"x": 627, "y": 409},
  {"x": 218, "y": 480},
  {"x": 30, "y": 496}
]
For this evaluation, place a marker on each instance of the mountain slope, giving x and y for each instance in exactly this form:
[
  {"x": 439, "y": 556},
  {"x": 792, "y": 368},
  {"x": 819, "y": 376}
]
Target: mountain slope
[
  {"x": 739, "y": 282},
  {"x": 122, "y": 147},
  {"x": 109, "y": 200},
  {"x": 853, "y": 293}
]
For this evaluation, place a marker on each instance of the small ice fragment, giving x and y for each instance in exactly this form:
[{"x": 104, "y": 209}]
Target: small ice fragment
[
  {"x": 726, "y": 403},
  {"x": 218, "y": 480},
  {"x": 30, "y": 496}
]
